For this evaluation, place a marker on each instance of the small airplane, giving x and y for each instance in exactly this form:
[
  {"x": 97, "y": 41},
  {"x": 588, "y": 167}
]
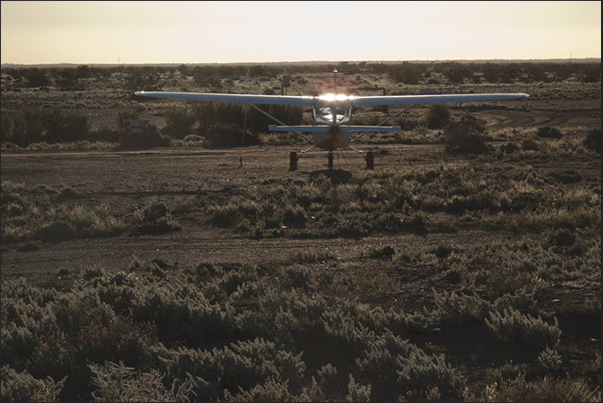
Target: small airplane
[{"x": 331, "y": 112}]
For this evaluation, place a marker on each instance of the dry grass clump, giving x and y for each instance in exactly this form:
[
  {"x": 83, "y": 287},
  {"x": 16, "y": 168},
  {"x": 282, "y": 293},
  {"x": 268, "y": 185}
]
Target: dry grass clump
[
  {"x": 52, "y": 214},
  {"x": 55, "y": 215},
  {"x": 547, "y": 389},
  {"x": 155, "y": 217},
  {"x": 23, "y": 387},
  {"x": 513, "y": 326}
]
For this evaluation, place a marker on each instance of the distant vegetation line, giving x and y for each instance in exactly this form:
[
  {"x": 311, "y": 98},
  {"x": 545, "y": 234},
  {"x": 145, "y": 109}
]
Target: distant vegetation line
[
  {"x": 60, "y": 65},
  {"x": 85, "y": 88}
]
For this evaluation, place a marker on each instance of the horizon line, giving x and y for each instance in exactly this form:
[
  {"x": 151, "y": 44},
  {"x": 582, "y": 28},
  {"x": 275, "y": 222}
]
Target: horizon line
[{"x": 301, "y": 61}]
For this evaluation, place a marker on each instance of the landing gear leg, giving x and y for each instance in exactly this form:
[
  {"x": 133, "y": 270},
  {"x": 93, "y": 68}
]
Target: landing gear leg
[
  {"x": 370, "y": 160},
  {"x": 330, "y": 158},
  {"x": 292, "y": 161}
]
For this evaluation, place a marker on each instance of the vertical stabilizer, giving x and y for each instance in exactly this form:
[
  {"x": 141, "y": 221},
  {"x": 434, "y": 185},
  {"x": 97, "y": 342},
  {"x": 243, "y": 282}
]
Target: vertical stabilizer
[{"x": 335, "y": 80}]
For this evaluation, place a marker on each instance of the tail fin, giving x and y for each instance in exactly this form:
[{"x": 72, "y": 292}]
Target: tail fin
[{"x": 335, "y": 80}]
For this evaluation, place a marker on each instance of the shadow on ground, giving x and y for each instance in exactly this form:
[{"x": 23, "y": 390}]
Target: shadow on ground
[{"x": 337, "y": 176}]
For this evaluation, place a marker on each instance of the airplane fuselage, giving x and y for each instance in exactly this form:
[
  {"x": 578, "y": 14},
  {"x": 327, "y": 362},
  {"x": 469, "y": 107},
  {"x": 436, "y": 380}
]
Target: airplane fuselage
[{"x": 332, "y": 116}]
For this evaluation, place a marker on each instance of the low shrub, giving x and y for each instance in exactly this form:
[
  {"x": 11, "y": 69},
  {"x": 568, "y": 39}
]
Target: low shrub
[
  {"x": 530, "y": 144},
  {"x": 295, "y": 215},
  {"x": 63, "y": 271},
  {"x": 512, "y": 325},
  {"x": 549, "y": 132},
  {"x": 328, "y": 374},
  {"x": 549, "y": 360},
  {"x": 156, "y": 217},
  {"x": 548, "y": 389},
  {"x": 29, "y": 247},
  {"x": 509, "y": 148},
  {"x": 465, "y": 137},
  {"x": 358, "y": 392},
  {"x": 438, "y": 116},
  {"x": 272, "y": 390},
  {"x": 90, "y": 272},
  {"x": 420, "y": 374},
  {"x": 453, "y": 309},
  {"x": 387, "y": 252},
  {"x": 118, "y": 383},
  {"x": 562, "y": 237},
  {"x": 229, "y": 135},
  {"x": 593, "y": 141},
  {"x": 61, "y": 127},
  {"x": 179, "y": 123},
  {"x": 391, "y": 360},
  {"x": 23, "y": 387},
  {"x": 56, "y": 230}
]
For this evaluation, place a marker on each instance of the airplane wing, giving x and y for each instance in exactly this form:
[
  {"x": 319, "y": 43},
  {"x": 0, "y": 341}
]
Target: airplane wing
[
  {"x": 431, "y": 99},
  {"x": 328, "y": 100},
  {"x": 232, "y": 98}
]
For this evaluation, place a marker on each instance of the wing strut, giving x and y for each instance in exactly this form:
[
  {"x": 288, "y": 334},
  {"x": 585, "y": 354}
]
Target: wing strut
[
  {"x": 279, "y": 122},
  {"x": 385, "y": 121}
]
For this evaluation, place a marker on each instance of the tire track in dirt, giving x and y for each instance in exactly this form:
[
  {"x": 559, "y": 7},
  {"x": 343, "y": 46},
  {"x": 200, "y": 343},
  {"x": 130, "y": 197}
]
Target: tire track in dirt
[
  {"x": 534, "y": 117},
  {"x": 191, "y": 246}
]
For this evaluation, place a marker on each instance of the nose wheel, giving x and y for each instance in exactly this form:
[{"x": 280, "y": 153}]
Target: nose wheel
[{"x": 330, "y": 159}]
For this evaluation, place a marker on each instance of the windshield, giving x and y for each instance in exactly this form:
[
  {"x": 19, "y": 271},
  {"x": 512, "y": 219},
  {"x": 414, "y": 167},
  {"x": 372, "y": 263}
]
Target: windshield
[{"x": 326, "y": 111}]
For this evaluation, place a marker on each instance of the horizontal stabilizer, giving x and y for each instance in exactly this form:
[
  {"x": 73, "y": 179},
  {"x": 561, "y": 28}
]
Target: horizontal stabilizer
[
  {"x": 303, "y": 129},
  {"x": 348, "y": 129}
]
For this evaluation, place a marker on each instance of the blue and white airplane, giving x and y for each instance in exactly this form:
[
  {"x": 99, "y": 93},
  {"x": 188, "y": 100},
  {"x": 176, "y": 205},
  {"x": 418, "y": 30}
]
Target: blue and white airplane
[{"x": 331, "y": 112}]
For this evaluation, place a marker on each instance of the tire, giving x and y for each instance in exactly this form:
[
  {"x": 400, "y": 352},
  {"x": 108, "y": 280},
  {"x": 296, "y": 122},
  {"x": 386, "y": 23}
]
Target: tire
[{"x": 370, "y": 160}]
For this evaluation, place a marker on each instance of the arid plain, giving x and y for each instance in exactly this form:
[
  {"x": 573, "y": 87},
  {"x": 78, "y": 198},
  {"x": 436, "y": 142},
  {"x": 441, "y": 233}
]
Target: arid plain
[{"x": 455, "y": 244}]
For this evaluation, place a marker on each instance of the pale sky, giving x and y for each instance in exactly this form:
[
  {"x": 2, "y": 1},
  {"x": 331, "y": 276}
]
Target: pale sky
[{"x": 226, "y": 32}]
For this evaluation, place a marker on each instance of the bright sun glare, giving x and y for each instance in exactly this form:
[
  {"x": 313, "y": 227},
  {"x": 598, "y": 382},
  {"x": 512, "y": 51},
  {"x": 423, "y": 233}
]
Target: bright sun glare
[{"x": 336, "y": 97}]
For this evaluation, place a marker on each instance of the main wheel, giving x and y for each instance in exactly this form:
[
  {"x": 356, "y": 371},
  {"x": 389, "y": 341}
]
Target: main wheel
[
  {"x": 292, "y": 161},
  {"x": 330, "y": 158},
  {"x": 370, "y": 160}
]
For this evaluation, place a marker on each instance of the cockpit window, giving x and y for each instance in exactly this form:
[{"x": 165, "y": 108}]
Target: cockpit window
[{"x": 326, "y": 111}]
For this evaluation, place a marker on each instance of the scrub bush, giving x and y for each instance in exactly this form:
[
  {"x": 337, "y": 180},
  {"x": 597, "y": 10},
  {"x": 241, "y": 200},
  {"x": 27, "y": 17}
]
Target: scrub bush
[
  {"x": 549, "y": 132},
  {"x": 391, "y": 360},
  {"x": 562, "y": 237},
  {"x": 229, "y": 135},
  {"x": 272, "y": 390},
  {"x": 23, "y": 387},
  {"x": 118, "y": 383},
  {"x": 156, "y": 217},
  {"x": 465, "y": 137},
  {"x": 358, "y": 392},
  {"x": 179, "y": 122},
  {"x": 438, "y": 116},
  {"x": 593, "y": 141},
  {"x": 512, "y": 326}
]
